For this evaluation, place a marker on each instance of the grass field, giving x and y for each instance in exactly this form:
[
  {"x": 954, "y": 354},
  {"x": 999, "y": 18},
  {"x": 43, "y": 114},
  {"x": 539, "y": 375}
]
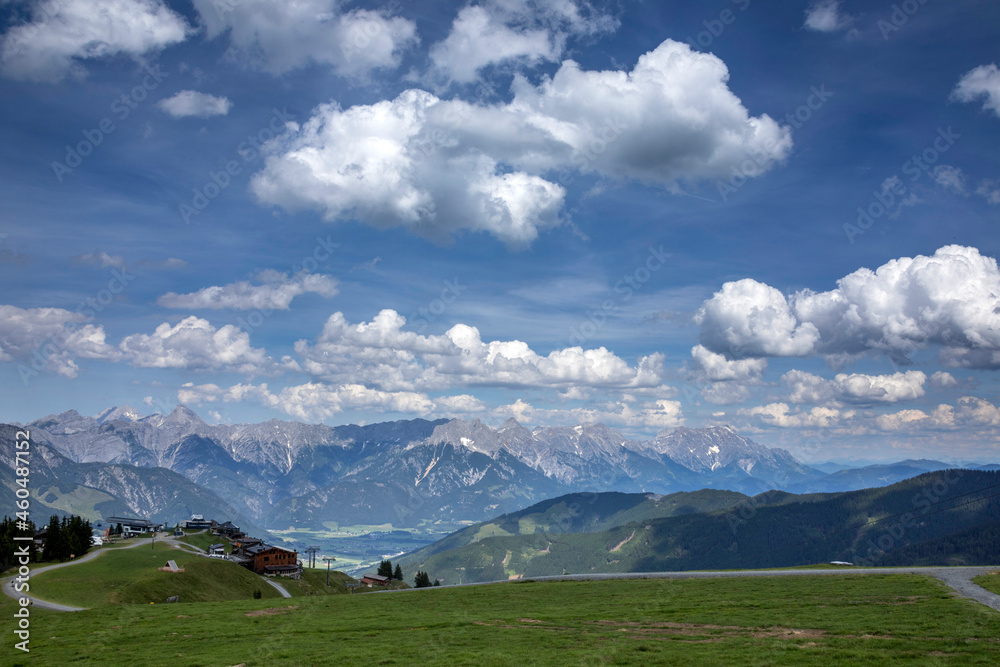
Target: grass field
[
  {"x": 313, "y": 582},
  {"x": 131, "y": 577},
  {"x": 202, "y": 539},
  {"x": 990, "y": 582},
  {"x": 745, "y": 621}
]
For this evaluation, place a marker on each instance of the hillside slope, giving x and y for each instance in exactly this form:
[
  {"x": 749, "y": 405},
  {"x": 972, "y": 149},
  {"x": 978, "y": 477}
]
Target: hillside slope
[{"x": 873, "y": 527}]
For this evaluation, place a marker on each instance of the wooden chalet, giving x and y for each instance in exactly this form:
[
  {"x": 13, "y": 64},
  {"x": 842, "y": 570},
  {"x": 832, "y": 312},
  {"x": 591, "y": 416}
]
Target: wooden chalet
[
  {"x": 132, "y": 526},
  {"x": 370, "y": 580},
  {"x": 228, "y": 529},
  {"x": 268, "y": 559},
  {"x": 198, "y": 522},
  {"x": 241, "y": 544}
]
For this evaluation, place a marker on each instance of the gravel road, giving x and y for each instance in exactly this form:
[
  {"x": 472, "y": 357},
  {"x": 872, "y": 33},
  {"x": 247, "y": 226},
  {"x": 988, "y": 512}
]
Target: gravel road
[{"x": 279, "y": 587}]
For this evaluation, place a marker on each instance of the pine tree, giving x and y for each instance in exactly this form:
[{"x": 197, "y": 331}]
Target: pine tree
[
  {"x": 385, "y": 569},
  {"x": 422, "y": 580},
  {"x": 398, "y": 574},
  {"x": 62, "y": 548},
  {"x": 51, "y": 547}
]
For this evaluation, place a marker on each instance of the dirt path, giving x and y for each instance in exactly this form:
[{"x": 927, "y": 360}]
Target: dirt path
[{"x": 623, "y": 542}]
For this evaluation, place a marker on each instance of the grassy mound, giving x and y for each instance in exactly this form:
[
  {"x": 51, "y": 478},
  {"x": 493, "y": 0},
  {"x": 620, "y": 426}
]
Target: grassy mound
[
  {"x": 202, "y": 539},
  {"x": 131, "y": 576}
]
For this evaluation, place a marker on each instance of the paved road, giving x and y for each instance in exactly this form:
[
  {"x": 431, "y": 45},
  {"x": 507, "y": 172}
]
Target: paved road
[
  {"x": 38, "y": 603},
  {"x": 279, "y": 587}
]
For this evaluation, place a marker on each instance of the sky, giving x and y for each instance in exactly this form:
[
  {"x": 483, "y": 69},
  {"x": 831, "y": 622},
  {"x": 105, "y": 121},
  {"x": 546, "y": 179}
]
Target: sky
[{"x": 776, "y": 216}]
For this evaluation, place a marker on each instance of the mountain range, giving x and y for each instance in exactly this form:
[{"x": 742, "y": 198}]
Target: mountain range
[
  {"x": 940, "y": 518},
  {"x": 290, "y": 475}
]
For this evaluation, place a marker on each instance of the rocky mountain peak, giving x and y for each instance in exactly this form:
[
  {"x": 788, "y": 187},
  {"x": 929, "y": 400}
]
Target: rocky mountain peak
[
  {"x": 586, "y": 440},
  {"x": 65, "y": 423},
  {"x": 473, "y": 435},
  {"x": 126, "y": 413},
  {"x": 708, "y": 449}
]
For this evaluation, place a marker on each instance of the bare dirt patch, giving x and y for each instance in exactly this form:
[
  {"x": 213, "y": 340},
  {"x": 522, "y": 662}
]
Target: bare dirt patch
[
  {"x": 271, "y": 611},
  {"x": 695, "y": 629},
  {"x": 623, "y": 542},
  {"x": 789, "y": 633}
]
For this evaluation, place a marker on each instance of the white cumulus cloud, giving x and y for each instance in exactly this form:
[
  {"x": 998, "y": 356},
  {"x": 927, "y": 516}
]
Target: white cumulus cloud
[
  {"x": 825, "y": 16},
  {"x": 990, "y": 190},
  {"x": 50, "y": 340},
  {"x": 659, "y": 415},
  {"x": 981, "y": 82},
  {"x": 394, "y": 359},
  {"x": 855, "y": 387},
  {"x": 716, "y": 368},
  {"x": 969, "y": 413},
  {"x": 275, "y": 292},
  {"x": 512, "y": 31},
  {"x": 316, "y": 401},
  {"x": 62, "y": 33},
  {"x": 951, "y": 178},
  {"x": 781, "y": 415},
  {"x": 192, "y": 103},
  {"x": 950, "y": 299},
  {"x": 194, "y": 344},
  {"x": 436, "y": 166},
  {"x": 278, "y": 37}
]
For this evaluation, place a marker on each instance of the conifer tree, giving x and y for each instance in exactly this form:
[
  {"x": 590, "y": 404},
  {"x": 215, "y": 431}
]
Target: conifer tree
[{"x": 398, "y": 574}]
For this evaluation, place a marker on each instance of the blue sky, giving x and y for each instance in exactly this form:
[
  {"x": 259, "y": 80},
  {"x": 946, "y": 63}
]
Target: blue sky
[{"x": 642, "y": 214}]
